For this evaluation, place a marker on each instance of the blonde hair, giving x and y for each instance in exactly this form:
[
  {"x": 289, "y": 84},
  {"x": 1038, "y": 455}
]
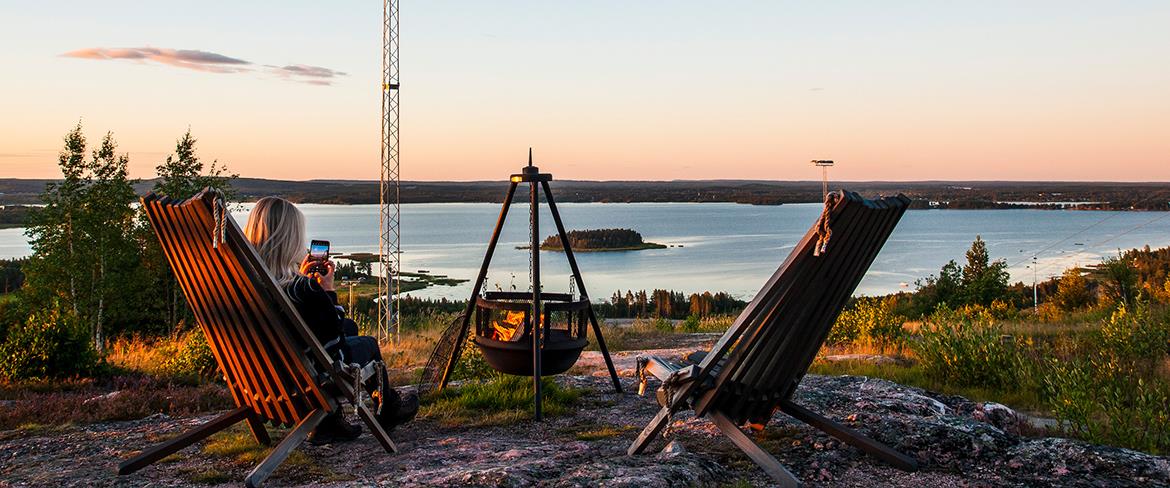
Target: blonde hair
[{"x": 277, "y": 228}]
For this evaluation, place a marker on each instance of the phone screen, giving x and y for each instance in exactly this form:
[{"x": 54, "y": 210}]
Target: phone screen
[{"x": 319, "y": 249}]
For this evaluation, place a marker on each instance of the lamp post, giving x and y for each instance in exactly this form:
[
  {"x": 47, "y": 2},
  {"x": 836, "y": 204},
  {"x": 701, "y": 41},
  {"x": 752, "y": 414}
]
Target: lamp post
[{"x": 824, "y": 165}]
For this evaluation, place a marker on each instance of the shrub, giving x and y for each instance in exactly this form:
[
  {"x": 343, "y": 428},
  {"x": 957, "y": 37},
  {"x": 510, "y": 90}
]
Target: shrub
[
  {"x": 1133, "y": 334},
  {"x": 663, "y": 324},
  {"x": 189, "y": 357},
  {"x": 691, "y": 324},
  {"x": 47, "y": 345},
  {"x": 871, "y": 322},
  {"x": 1096, "y": 402},
  {"x": 967, "y": 350},
  {"x": 1072, "y": 292},
  {"x": 1113, "y": 395}
]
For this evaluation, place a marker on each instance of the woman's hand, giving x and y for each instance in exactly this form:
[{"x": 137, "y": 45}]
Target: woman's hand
[{"x": 326, "y": 278}]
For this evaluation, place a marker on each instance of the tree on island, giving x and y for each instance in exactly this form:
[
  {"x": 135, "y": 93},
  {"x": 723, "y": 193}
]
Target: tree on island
[{"x": 600, "y": 240}]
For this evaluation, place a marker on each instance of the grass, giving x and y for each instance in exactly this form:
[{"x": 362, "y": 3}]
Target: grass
[
  {"x": 915, "y": 375},
  {"x": 651, "y": 333},
  {"x": 502, "y": 400},
  {"x": 87, "y": 401},
  {"x": 604, "y": 432}
]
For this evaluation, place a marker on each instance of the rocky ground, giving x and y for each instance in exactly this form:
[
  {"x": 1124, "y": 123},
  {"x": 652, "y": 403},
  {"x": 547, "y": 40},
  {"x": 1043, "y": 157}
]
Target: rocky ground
[{"x": 958, "y": 443}]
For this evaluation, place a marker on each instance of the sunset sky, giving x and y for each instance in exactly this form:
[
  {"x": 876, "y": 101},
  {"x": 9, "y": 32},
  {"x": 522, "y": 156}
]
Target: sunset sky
[{"x": 603, "y": 90}]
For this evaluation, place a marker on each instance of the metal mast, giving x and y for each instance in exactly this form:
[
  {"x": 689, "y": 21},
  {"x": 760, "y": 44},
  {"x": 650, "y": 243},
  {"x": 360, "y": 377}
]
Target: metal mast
[{"x": 389, "y": 245}]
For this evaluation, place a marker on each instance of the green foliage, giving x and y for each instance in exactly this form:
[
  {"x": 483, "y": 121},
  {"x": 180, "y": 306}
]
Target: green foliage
[
  {"x": 11, "y": 276},
  {"x": 1112, "y": 394},
  {"x": 979, "y": 282},
  {"x": 472, "y": 365},
  {"x": 1100, "y": 405},
  {"x": 671, "y": 304},
  {"x": 599, "y": 239},
  {"x": 1119, "y": 279},
  {"x": 190, "y": 357},
  {"x": 967, "y": 350},
  {"x": 869, "y": 321},
  {"x": 1072, "y": 293},
  {"x": 180, "y": 176},
  {"x": 51, "y": 344},
  {"x": 663, "y": 324},
  {"x": 691, "y": 324},
  {"x": 1134, "y": 335},
  {"x": 85, "y": 257}
]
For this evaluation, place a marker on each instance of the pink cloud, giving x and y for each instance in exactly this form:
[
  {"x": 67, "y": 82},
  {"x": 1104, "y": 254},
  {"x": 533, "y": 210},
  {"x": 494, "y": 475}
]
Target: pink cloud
[
  {"x": 181, "y": 58},
  {"x": 314, "y": 75},
  {"x": 208, "y": 62}
]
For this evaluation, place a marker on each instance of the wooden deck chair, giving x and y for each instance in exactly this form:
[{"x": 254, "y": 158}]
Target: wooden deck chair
[
  {"x": 274, "y": 367},
  {"x": 755, "y": 367}
]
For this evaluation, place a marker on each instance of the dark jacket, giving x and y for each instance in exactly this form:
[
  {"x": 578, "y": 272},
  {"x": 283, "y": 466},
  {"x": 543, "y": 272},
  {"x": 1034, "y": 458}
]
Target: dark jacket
[{"x": 319, "y": 310}]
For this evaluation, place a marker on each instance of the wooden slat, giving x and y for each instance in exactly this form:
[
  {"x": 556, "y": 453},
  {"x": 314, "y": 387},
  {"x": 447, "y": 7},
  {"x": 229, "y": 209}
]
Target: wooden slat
[
  {"x": 210, "y": 281},
  {"x": 183, "y": 440},
  {"x": 202, "y": 308},
  {"x": 151, "y": 205},
  {"x": 295, "y": 438},
  {"x": 248, "y": 325},
  {"x": 757, "y": 454}
]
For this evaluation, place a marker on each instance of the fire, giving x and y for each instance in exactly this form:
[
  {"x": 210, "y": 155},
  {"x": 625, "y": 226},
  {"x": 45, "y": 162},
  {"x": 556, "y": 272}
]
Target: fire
[{"x": 512, "y": 323}]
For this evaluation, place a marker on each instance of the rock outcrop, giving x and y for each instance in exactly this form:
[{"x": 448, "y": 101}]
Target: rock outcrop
[{"x": 958, "y": 443}]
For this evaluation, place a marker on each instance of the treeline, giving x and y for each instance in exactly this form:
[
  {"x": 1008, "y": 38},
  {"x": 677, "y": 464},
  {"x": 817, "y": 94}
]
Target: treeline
[
  {"x": 11, "y": 276},
  {"x": 596, "y": 239},
  {"x": 954, "y": 195},
  {"x": 96, "y": 270},
  {"x": 669, "y": 304},
  {"x": 14, "y": 215}
]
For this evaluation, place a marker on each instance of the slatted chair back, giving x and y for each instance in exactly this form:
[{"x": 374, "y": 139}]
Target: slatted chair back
[
  {"x": 777, "y": 336},
  {"x": 270, "y": 360}
]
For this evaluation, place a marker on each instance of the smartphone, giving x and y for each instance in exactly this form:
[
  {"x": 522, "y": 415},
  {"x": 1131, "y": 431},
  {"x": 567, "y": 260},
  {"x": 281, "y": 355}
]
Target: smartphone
[{"x": 319, "y": 250}]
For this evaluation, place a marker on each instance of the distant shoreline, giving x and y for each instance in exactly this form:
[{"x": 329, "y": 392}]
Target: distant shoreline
[{"x": 926, "y": 194}]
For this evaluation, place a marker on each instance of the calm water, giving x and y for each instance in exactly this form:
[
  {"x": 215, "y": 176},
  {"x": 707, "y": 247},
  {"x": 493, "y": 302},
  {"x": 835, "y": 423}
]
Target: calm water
[{"x": 722, "y": 246}]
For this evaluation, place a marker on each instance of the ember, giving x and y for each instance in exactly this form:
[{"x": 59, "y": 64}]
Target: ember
[{"x": 505, "y": 330}]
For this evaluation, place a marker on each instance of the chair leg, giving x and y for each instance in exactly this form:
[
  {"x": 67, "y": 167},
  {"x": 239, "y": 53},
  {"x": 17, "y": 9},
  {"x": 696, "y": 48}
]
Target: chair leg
[
  {"x": 650, "y": 432},
  {"x": 376, "y": 428},
  {"x": 259, "y": 432},
  {"x": 263, "y": 470},
  {"x": 761, "y": 457},
  {"x": 850, "y": 436},
  {"x": 185, "y": 439}
]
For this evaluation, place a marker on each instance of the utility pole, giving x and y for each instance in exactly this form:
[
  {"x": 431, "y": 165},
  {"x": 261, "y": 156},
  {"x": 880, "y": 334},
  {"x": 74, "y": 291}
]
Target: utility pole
[
  {"x": 824, "y": 164},
  {"x": 1035, "y": 291},
  {"x": 389, "y": 228}
]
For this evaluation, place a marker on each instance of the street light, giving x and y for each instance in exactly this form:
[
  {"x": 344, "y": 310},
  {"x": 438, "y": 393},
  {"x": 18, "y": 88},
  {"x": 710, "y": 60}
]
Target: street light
[{"x": 824, "y": 164}]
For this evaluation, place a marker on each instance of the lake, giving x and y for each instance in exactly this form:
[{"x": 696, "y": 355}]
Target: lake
[{"x": 714, "y": 246}]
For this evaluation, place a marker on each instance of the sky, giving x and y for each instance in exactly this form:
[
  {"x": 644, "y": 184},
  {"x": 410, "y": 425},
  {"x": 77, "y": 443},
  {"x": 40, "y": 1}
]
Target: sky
[{"x": 602, "y": 90}]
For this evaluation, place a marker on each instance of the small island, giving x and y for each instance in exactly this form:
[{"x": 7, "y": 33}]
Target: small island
[{"x": 599, "y": 240}]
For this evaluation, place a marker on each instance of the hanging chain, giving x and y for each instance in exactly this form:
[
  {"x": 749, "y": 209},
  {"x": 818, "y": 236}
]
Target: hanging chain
[{"x": 532, "y": 255}]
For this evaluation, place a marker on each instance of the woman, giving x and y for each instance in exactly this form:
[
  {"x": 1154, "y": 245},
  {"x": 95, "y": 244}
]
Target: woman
[{"x": 277, "y": 229}]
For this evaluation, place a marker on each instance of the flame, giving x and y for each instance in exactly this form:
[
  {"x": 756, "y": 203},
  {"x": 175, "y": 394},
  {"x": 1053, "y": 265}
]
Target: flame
[{"x": 512, "y": 323}]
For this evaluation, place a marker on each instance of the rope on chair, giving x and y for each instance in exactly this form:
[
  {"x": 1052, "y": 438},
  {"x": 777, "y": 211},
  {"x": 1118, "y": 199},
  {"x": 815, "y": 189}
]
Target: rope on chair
[
  {"x": 824, "y": 229},
  {"x": 220, "y": 215}
]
